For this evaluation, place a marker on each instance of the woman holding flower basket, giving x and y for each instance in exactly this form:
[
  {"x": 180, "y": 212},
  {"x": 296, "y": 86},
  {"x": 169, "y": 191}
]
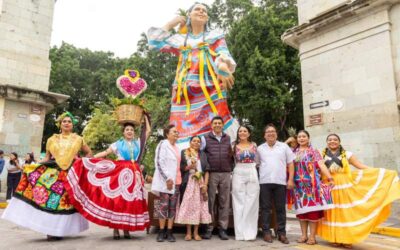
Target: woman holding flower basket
[
  {"x": 194, "y": 206},
  {"x": 111, "y": 193}
]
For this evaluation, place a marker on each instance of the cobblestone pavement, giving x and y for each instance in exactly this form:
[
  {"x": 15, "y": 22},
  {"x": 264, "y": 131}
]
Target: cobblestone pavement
[{"x": 14, "y": 237}]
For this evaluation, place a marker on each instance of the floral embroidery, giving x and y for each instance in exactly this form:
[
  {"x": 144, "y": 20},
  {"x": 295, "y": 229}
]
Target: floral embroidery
[
  {"x": 33, "y": 177},
  {"x": 28, "y": 192},
  {"x": 65, "y": 202},
  {"x": 40, "y": 195},
  {"x": 58, "y": 187},
  {"x": 53, "y": 201},
  {"x": 49, "y": 177},
  {"x": 41, "y": 169},
  {"x": 23, "y": 183},
  {"x": 309, "y": 192},
  {"x": 62, "y": 176}
]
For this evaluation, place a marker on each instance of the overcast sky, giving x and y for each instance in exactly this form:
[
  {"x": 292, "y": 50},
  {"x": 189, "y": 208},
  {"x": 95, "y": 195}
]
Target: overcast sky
[{"x": 111, "y": 25}]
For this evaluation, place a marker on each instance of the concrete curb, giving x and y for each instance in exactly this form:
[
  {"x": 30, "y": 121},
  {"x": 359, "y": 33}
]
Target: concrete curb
[{"x": 388, "y": 231}]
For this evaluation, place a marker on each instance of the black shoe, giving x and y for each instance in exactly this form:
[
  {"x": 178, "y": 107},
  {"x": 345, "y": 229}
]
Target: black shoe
[
  {"x": 170, "y": 237},
  {"x": 161, "y": 235},
  {"x": 53, "y": 238},
  {"x": 223, "y": 235},
  {"x": 207, "y": 235}
]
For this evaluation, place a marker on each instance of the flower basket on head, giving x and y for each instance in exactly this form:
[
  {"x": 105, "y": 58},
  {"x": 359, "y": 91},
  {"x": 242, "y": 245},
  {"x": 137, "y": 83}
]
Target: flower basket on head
[
  {"x": 130, "y": 109},
  {"x": 129, "y": 113}
]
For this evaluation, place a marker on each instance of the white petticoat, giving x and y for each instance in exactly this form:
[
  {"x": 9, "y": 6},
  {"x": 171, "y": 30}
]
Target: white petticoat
[{"x": 25, "y": 215}]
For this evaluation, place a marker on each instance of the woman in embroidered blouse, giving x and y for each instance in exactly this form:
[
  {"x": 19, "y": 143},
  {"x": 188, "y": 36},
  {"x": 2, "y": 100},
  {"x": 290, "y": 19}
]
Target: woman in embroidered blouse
[
  {"x": 126, "y": 148},
  {"x": 167, "y": 180},
  {"x": 310, "y": 196},
  {"x": 194, "y": 206},
  {"x": 245, "y": 186},
  {"x": 361, "y": 198},
  {"x": 204, "y": 73},
  {"x": 41, "y": 202}
]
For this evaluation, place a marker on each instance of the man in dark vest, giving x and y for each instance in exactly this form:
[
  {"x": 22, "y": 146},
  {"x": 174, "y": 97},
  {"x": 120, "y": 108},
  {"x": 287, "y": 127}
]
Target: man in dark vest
[{"x": 217, "y": 146}]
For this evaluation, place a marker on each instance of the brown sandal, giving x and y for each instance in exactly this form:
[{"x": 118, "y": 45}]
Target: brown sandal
[
  {"x": 188, "y": 237},
  {"x": 311, "y": 242},
  {"x": 348, "y": 246},
  {"x": 302, "y": 240},
  {"x": 197, "y": 238}
]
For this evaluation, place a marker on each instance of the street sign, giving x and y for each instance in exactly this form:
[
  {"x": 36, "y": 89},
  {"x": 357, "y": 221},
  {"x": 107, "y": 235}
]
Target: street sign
[
  {"x": 316, "y": 105},
  {"x": 315, "y": 120}
]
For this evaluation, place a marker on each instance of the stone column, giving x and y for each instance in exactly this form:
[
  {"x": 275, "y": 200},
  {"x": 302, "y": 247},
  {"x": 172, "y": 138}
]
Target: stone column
[{"x": 25, "y": 32}]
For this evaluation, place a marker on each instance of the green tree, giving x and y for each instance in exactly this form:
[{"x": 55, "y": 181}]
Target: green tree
[
  {"x": 86, "y": 76},
  {"x": 268, "y": 85}
]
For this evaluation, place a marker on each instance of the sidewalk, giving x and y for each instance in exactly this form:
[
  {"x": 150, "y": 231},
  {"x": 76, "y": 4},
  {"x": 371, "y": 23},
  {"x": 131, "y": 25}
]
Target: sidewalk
[{"x": 99, "y": 238}]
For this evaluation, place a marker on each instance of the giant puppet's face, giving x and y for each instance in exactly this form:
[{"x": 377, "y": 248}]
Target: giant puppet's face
[{"x": 198, "y": 15}]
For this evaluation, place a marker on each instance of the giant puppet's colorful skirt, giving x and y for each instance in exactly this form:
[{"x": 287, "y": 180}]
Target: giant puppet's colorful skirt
[
  {"x": 42, "y": 204},
  {"x": 198, "y": 121},
  {"x": 361, "y": 202},
  {"x": 109, "y": 193}
]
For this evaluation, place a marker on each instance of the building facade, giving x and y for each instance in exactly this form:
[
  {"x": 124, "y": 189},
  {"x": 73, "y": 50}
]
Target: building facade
[{"x": 350, "y": 64}]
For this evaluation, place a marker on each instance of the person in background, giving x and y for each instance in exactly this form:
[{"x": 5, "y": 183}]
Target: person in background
[
  {"x": 29, "y": 159},
  {"x": 2, "y": 162},
  {"x": 292, "y": 142},
  {"x": 14, "y": 175}
]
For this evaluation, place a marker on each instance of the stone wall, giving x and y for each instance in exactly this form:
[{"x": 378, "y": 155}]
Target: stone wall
[
  {"x": 352, "y": 63},
  {"x": 25, "y": 31},
  {"x": 395, "y": 22},
  {"x": 22, "y": 128},
  {"x": 309, "y": 9}
]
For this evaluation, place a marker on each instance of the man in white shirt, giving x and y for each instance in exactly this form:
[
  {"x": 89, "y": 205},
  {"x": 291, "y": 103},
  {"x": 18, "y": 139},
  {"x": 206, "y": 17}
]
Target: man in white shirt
[{"x": 275, "y": 159}]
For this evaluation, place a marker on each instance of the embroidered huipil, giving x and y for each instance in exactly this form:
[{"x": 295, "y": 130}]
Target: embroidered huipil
[
  {"x": 309, "y": 193},
  {"x": 246, "y": 155}
]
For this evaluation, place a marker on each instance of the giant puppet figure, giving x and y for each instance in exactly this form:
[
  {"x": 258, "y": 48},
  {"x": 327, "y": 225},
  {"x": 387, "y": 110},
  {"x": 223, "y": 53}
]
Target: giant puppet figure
[{"x": 203, "y": 74}]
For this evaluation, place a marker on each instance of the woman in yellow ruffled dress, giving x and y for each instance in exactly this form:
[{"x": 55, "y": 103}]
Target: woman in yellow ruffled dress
[
  {"x": 41, "y": 202},
  {"x": 362, "y": 198}
]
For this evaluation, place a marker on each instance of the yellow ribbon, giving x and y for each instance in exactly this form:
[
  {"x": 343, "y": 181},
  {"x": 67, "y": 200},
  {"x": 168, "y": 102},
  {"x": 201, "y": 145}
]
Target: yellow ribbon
[
  {"x": 181, "y": 73},
  {"x": 203, "y": 84}
]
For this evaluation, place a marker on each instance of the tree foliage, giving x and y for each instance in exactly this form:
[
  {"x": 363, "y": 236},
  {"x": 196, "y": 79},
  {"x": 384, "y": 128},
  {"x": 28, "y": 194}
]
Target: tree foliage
[{"x": 268, "y": 85}]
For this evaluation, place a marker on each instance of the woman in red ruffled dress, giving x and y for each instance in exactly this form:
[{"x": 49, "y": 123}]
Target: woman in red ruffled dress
[{"x": 111, "y": 193}]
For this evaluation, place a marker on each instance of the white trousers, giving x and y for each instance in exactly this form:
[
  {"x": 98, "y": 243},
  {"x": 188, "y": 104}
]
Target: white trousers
[{"x": 245, "y": 201}]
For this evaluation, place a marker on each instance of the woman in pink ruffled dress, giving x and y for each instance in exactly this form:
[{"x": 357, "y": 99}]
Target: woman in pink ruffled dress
[{"x": 194, "y": 206}]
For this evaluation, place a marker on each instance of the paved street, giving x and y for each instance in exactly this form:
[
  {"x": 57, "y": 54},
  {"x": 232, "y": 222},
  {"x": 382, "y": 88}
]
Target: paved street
[{"x": 13, "y": 237}]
